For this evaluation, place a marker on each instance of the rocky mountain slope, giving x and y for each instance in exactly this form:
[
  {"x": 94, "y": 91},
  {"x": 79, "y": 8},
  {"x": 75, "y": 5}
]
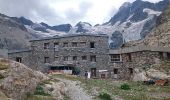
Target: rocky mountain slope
[
  {"x": 42, "y": 29},
  {"x": 133, "y": 21},
  {"x": 13, "y": 35},
  {"x": 160, "y": 35}
]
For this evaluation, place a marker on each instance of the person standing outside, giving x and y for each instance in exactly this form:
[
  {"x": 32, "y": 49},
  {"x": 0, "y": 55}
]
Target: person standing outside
[{"x": 86, "y": 75}]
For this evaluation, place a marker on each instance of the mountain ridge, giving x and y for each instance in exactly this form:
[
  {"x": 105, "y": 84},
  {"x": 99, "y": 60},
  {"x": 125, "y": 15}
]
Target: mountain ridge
[{"x": 133, "y": 21}]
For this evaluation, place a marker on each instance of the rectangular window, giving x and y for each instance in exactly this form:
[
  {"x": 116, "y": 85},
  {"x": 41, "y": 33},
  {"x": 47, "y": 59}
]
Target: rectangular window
[
  {"x": 46, "y": 45},
  {"x": 168, "y": 55},
  {"x": 131, "y": 70},
  {"x": 115, "y": 71},
  {"x": 82, "y": 44},
  {"x": 65, "y": 58},
  {"x": 161, "y": 55},
  {"x": 129, "y": 57},
  {"x": 74, "y": 57},
  {"x": 65, "y": 44},
  {"x": 74, "y": 44},
  {"x": 56, "y": 58},
  {"x": 18, "y": 59},
  {"x": 46, "y": 60},
  {"x": 93, "y": 58},
  {"x": 56, "y": 46},
  {"x": 103, "y": 76},
  {"x": 92, "y": 45},
  {"x": 115, "y": 58},
  {"x": 84, "y": 57}
]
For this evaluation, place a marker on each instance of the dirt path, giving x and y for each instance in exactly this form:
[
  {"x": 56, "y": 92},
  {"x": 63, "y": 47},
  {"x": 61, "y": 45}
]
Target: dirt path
[{"x": 75, "y": 92}]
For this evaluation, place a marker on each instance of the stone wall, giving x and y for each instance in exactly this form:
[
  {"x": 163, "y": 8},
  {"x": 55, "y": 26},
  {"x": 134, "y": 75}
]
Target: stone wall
[
  {"x": 142, "y": 59},
  {"x": 124, "y": 68},
  {"x": 26, "y": 58},
  {"x": 100, "y": 51}
]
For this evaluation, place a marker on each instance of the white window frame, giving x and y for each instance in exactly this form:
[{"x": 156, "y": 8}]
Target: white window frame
[
  {"x": 115, "y": 59},
  {"x": 56, "y": 46}
]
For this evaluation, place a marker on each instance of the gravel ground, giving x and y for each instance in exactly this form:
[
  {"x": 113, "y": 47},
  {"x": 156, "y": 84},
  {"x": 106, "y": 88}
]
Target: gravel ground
[{"x": 75, "y": 92}]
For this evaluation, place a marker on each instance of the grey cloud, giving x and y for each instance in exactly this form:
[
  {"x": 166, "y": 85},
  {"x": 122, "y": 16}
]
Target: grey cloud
[
  {"x": 74, "y": 15},
  {"x": 39, "y": 10},
  {"x": 36, "y": 10}
]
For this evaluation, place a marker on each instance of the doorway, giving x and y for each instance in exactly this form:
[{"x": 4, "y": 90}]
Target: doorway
[
  {"x": 168, "y": 56},
  {"x": 18, "y": 59},
  {"x": 93, "y": 72}
]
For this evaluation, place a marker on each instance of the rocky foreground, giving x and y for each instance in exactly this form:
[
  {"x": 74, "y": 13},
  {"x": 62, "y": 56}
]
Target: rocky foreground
[{"x": 17, "y": 80}]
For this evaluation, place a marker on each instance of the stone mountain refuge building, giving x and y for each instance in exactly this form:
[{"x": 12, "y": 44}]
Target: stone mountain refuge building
[{"x": 78, "y": 53}]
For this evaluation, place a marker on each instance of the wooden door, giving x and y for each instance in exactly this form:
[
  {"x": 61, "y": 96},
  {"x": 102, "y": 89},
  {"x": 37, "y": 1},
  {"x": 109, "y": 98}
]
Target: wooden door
[{"x": 93, "y": 72}]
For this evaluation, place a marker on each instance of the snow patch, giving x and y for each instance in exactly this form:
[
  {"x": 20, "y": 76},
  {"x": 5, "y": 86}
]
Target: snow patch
[
  {"x": 49, "y": 33},
  {"x": 151, "y": 12}
]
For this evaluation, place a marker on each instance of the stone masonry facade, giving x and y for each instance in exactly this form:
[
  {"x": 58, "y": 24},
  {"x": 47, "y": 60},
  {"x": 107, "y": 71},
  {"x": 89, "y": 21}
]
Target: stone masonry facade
[
  {"x": 124, "y": 69},
  {"x": 88, "y": 52}
]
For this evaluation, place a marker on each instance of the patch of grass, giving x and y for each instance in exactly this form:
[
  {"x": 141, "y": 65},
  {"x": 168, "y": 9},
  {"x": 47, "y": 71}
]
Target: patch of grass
[
  {"x": 4, "y": 65},
  {"x": 125, "y": 86},
  {"x": 66, "y": 98},
  {"x": 105, "y": 96},
  {"x": 1, "y": 77},
  {"x": 46, "y": 82},
  {"x": 40, "y": 91},
  {"x": 40, "y": 97},
  {"x": 39, "y": 94},
  {"x": 49, "y": 81},
  {"x": 137, "y": 91}
]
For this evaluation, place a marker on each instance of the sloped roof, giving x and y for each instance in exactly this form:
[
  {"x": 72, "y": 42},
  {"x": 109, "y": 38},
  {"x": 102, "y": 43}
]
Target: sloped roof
[{"x": 18, "y": 51}]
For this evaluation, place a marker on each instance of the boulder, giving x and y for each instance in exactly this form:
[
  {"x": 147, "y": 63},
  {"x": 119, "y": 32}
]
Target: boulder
[
  {"x": 56, "y": 89},
  {"x": 142, "y": 75},
  {"x": 157, "y": 74},
  {"x": 17, "y": 80}
]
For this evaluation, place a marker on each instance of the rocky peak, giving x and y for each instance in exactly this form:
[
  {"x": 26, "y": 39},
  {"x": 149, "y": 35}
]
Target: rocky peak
[
  {"x": 25, "y": 21},
  {"x": 83, "y": 24},
  {"x": 82, "y": 27},
  {"x": 125, "y": 5},
  {"x": 46, "y": 25},
  {"x": 62, "y": 27}
]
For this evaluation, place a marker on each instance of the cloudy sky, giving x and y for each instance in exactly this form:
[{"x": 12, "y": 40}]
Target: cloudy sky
[{"x": 56, "y": 12}]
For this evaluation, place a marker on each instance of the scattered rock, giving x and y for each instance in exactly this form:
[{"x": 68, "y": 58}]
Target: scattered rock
[
  {"x": 56, "y": 89},
  {"x": 141, "y": 75},
  {"x": 157, "y": 74}
]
